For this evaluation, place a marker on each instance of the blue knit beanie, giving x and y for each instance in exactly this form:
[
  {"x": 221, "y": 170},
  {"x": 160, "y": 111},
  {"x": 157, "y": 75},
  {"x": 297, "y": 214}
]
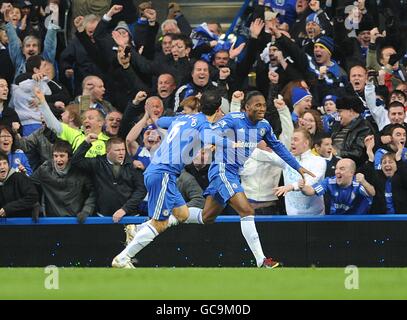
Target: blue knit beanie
[
  {"x": 329, "y": 97},
  {"x": 313, "y": 17},
  {"x": 298, "y": 94},
  {"x": 327, "y": 43}
]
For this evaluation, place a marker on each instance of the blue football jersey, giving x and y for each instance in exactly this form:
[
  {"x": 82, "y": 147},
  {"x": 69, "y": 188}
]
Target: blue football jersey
[
  {"x": 186, "y": 136},
  {"x": 236, "y": 126},
  {"x": 353, "y": 199}
]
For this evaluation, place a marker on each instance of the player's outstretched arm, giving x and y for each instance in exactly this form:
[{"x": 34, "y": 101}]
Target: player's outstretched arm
[{"x": 304, "y": 171}]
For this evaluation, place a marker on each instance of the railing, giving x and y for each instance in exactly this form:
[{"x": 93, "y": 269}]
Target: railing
[{"x": 220, "y": 219}]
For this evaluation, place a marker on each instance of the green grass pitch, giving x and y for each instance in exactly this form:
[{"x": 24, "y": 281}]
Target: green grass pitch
[{"x": 203, "y": 283}]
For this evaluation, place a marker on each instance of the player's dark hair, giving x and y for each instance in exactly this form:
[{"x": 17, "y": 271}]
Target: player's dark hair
[
  {"x": 211, "y": 100},
  {"x": 249, "y": 96}
]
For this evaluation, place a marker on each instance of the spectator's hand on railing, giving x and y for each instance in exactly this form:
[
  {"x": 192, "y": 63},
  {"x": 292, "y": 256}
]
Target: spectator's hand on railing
[
  {"x": 255, "y": 28},
  {"x": 2, "y": 212},
  {"x": 118, "y": 215},
  {"x": 114, "y": 10},
  {"x": 81, "y": 217}
]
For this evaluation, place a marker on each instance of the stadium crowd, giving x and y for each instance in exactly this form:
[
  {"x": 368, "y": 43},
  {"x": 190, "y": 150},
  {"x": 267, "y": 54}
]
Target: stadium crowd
[{"x": 77, "y": 113}]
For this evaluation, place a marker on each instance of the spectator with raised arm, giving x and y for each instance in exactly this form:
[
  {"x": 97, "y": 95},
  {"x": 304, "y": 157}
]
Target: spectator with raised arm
[
  {"x": 93, "y": 121},
  {"x": 390, "y": 181},
  {"x": 349, "y": 191},
  {"x": 31, "y": 45}
]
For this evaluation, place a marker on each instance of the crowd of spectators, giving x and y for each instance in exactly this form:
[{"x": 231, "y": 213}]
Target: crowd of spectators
[{"x": 79, "y": 100}]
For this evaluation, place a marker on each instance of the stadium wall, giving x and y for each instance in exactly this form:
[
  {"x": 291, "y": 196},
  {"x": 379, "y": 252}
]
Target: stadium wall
[{"x": 321, "y": 242}]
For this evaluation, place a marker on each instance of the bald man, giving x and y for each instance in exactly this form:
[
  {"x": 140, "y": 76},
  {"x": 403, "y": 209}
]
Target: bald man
[
  {"x": 349, "y": 191},
  {"x": 93, "y": 91}
]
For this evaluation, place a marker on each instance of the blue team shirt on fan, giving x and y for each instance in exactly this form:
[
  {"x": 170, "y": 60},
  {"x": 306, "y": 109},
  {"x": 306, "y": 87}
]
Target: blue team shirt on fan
[
  {"x": 286, "y": 9},
  {"x": 349, "y": 200},
  {"x": 381, "y": 152},
  {"x": 236, "y": 126},
  {"x": 143, "y": 155}
]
